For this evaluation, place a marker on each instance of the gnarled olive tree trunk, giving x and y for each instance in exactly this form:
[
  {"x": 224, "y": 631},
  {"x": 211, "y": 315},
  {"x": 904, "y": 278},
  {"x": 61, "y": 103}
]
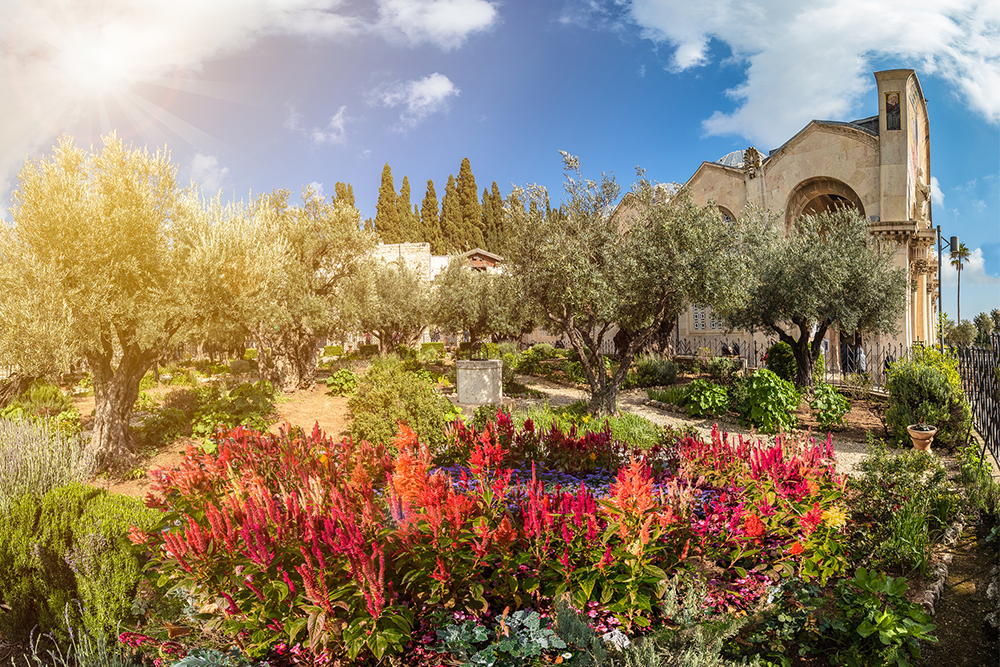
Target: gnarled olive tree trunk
[
  {"x": 115, "y": 392},
  {"x": 287, "y": 358}
]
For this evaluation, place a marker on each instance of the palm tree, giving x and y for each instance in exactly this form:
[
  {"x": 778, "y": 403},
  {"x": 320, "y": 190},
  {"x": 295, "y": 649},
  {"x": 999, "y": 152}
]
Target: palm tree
[{"x": 959, "y": 256}]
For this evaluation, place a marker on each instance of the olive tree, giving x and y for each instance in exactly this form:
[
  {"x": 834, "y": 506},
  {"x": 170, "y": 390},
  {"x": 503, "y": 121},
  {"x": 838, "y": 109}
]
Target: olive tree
[
  {"x": 277, "y": 271},
  {"x": 592, "y": 268},
  {"x": 826, "y": 271},
  {"x": 95, "y": 264},
  {"x": 486, "y": 305},
  {"x": 391, "y": 300}
]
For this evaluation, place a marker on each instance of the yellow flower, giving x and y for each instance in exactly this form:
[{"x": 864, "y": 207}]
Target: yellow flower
[
  {"x": 835, "y": 518},
  {"x": 593, "y": 456}
]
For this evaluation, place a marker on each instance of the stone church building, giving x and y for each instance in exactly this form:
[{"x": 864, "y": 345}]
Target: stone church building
[{"x": 879, "y": 165}]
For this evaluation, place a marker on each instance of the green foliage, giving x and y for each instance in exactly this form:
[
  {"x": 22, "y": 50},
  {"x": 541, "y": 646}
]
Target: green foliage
[
  {"x": 767, "y": 402},
  {"x": 901, "y": 500},
  {"x": 927, "y": 387},
  {"x": 367, "y": 351},
  {"x": 36, "y": 456},
  {"x": 387, "y": 394},
  {"x": 144, "y": 402},
  {"x": 210, "y": 657},
  {"x": 44, "y": 400},
  {"x": 875, "y": 624},
  {"x": 343, "y": 382},
  {"x": 650, "y": 371},
  {"x": 83, "y": 650},
  {"x": 706, "y": 398},
  {"x": 438, "y": 347},
  {"x": 781, "y": 360},
  {"x": 250, "y": 405},
  {"x": 830, "y": 406},
  {"x": 982, "y": 492},
  {"x": 671, "y": 395},
  {"x": 148, "y": 381},
  {"x": 723, "y": 369},
  {"x": 164, "y": 426},
  {"x": 519, "y": 639},
  {"x": 69, "y": 544},
  {"x": 240, "y": 367},
  {"x": 250, "y": 354}
]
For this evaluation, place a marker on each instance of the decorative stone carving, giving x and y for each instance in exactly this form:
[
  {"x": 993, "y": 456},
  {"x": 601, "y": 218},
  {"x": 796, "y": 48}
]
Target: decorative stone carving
[
  {"x": 921, "y": 198},
  {"x": 919, "y": 266},
  {"x": 752, "y": 162}
]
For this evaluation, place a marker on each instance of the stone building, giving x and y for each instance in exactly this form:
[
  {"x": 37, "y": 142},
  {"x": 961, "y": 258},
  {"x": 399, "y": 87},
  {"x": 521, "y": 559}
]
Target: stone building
[{"x": 878, "y": 165}]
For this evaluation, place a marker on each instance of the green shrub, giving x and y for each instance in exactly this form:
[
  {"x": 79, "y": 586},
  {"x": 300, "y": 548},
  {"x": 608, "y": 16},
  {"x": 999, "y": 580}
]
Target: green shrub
[
  {"x": 163, "y": 426},
  {"x": 71, "y": 544},
  {"x": 781, "y": 361},
  {"x": 144, "y": 402},
  {"x": 543, "y": 350},
  {"x": 507, "y": 372},
  {"x": 650, "y": 371},
  {"x": 723, "y": 369},
  {"x": 365, "y": 351},
  {"x": 343, "y": 382},
  {"x": 830, "y": 406},
  {"x": 180, "y": 376},
  {"x": 44, "y": 401},
  {"x": 927, "y": 387},
  {"x": 767, "y": 402},
  {"x": 438, "y": 347},
  {"x": 148, "y": 381},
  {"x": 519, "y": 639},
  {"x": 388, "y": 394},
  {"x": 706, "y": 398},
  {"x": 250, "y": 354},
  {"x": 333, "y": 351},
  {"x": 982, "y": 492},
  {"x": 36, "y": 456}
]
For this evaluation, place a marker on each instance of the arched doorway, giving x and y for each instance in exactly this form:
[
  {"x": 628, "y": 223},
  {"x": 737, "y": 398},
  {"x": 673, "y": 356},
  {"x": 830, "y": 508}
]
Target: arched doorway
[{"x": 818, "y": 195}]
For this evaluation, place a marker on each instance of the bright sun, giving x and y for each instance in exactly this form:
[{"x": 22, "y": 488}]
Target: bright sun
[{"x": 95, "y": 66}]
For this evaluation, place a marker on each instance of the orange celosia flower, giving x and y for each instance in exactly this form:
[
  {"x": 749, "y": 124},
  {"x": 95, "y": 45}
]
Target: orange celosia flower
[
  {"x": 632, "y": 491},
  {"x": 796, "y": 549},
  {"x": 410, "y": 476},
  {"x": 753, "y": 526}
]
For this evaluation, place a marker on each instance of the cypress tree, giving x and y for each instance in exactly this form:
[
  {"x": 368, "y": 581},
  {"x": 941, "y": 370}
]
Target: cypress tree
[
  {"x": 499, "y": 219},
  {"x": 452, "y": 232},
  {"x": 488, "y": 226},
  {"x": 430, "y": 220},
  {"x": 407, "y": 230},
  {"x": 344, "y": 193},
  {"x": 472, "y": 212},
  {"x": 387, "y": 222}
]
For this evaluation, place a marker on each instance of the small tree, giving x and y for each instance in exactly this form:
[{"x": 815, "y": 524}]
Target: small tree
[
  {"x": 591, "y": 269},
  {"x": 484, "y": 304},
  {"x": 984, "y": 327},
  {"x": 277, "y": 272},
  {"x": 827, "y": 271},
  {"x": 392, "y": 301},
  {"x": 96, "y": 264}
]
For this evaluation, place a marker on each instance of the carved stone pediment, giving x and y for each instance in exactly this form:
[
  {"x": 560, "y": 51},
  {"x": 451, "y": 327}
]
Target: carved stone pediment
[{"x": 752, "y": 162}]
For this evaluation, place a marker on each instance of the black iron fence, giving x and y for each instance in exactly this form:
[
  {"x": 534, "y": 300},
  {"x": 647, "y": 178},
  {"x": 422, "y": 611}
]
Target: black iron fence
[{"x": 980, "y": 371}]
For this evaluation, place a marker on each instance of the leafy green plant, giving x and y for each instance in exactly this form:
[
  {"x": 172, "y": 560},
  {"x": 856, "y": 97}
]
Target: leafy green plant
[
  {"x": 875, "y": 624},
  {"x": 671, "y": 395},
  {"x": 144, "y": 402},
  {"x": 706, "y": 398},
  {"x": 387, "y": 394},
  {"x": 210, "y": 657},
  {"x": 343, "y": 382},
  {"x": 518, "y": 639},
  {"x": 927, "y": 387},
  {"x": 768, "y": 402},
  {"x": 830, "y": 406},
  {"x": 250, "y": 405},
  {"x": 781, "y": 361},
  {"x": 723, "y": 369},
  {"x": 982, "y": 492},
  {"x": 44, "y": 400},
  {"x": 650, "y": 371}
]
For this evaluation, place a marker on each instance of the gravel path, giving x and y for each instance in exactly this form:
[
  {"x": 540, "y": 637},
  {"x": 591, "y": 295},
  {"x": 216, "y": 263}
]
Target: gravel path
[{"x": 634, "y": 401}]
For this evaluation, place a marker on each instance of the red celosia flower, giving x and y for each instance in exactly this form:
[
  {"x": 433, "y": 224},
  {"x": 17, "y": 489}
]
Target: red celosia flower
[
  {"x": 632, "y": 491},
  {"x": 796, "y": 549},
  {"x": 137, "y": 536},
  {"x": 753, "y": 526},
  {"x": 811, "y": 519}
]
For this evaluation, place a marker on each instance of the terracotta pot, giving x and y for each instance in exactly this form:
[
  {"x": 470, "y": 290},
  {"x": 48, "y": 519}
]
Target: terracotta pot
[{"x": 921, "y": 439}]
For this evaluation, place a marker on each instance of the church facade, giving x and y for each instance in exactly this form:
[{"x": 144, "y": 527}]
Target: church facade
[{"x": 878, "y": 165}]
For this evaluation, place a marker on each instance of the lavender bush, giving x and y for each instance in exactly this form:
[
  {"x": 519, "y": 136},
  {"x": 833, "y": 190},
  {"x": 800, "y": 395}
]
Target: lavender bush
[{"x": 35, "y": 456}]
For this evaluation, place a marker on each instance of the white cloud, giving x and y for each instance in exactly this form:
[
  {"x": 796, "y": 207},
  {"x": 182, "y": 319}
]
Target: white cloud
[
  {"x": 937, "y": 195},
  {"x": 293, "y": 121},
  {"x": 418, "y": 99},
  {"x": 814, "y": 60},
  {"x": 64, "y": 64},
  {"x": 444, "y": 23},
  {"x": 973, "y": 271},
  {"x": 206, "y": 172},
  {"x": 317, "y": 188},
  {"x": 335, "y": 131}
]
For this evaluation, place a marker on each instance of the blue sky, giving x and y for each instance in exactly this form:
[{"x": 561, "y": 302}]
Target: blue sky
[{"x": 252, "y": 95}]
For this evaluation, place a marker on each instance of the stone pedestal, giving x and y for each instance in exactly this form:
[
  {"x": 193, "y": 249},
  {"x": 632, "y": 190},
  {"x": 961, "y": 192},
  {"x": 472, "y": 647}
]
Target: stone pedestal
[{"x": 480, "y": 381}]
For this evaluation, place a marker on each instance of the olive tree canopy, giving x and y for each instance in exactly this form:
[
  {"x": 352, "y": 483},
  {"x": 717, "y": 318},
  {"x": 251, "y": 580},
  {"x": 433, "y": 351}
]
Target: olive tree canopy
[
  {"x": 95, "y": 264},
  {"x": 391, "y": 300},
  {"x": 827, "y": 271},
  {"x": 592, "y": 268}
]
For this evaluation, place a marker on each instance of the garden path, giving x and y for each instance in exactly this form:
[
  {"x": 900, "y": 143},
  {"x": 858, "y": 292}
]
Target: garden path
[{"x": 850, "y": 450}]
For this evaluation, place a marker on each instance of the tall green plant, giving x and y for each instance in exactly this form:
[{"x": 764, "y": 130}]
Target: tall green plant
[
  {"x": 927, "y": 387},
  {"x": 768, "y": 402}
]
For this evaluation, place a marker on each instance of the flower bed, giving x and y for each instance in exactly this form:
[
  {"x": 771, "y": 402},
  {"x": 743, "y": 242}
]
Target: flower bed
[{"x": 349, "y": 549}]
